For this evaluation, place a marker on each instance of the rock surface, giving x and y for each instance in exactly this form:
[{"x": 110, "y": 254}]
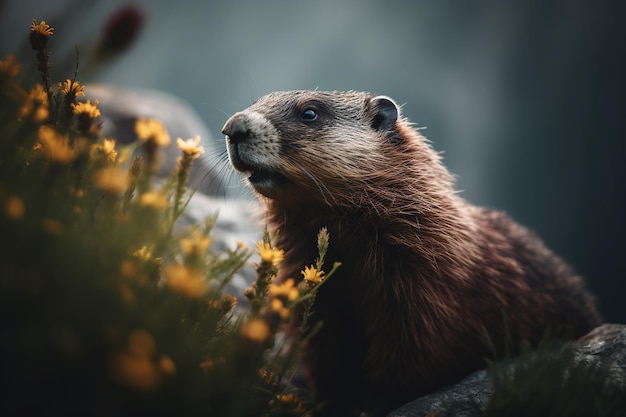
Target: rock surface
[{"x": 582, "y": 378}]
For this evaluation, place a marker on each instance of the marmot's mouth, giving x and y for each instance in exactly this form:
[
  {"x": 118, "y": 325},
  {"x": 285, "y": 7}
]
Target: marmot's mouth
[{"x": 263, "y": 179}]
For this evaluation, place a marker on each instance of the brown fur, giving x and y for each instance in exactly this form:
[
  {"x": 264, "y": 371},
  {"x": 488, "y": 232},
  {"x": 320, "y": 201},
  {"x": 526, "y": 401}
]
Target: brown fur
[{"x": 429, "y": 284}]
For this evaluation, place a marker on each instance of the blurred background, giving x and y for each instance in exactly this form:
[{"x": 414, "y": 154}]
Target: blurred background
[{"x": 524, "y": 98}]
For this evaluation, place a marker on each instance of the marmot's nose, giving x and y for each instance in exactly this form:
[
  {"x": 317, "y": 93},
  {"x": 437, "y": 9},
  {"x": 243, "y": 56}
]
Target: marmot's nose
[{"x": 236, "y": 128}]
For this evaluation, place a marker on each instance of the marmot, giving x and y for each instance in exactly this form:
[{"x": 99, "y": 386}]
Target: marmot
[{"x": 430, "y": 285}]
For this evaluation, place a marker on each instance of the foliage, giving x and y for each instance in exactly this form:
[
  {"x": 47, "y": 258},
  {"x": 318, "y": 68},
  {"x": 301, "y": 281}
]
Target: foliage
[{"x": 105, "y": 309}]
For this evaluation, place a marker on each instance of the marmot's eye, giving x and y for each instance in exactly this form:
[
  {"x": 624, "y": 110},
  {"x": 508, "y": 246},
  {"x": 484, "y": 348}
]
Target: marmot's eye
[{"x": 308, "y": 115}]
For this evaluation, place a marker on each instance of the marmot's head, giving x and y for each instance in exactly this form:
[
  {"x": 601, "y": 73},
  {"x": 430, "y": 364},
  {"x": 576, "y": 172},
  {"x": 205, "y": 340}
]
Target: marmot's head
[{"x": 329, "y": 148}]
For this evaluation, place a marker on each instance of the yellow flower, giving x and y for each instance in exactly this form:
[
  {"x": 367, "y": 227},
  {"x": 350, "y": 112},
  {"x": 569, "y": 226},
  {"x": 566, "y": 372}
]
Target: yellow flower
[
  {"x": 107, "y": 148},
  {"x": 72, "y": 88},
  {"x": 167, "y": 365},
  {"x": 10, "y": 67},
  {"x": 196, "y": 244},
  {"x": 126, "y": 294},
  {"x": 312, "y": 275},
  {"x": 277, "y": 305},
  {"x": 153, "y": 199},
  {"x": 136, "y": 366},
  {"x": 287, "y": 289},
  {"x": 269, "y": 254},
  {"x": 256, "y": 330},
  {"x": 42, "y": 28},
  {"x": 184, "y": 280},
  {"x": 37, "y": 103},
  {"x": 14, "y": 207},
  {"x": 229, "y": 301},
  {"x": 190, "y": 147},
  {"x": 143, "y": 254},
  {"x": 52, "y": 227},
  {"x": 112, "y": 179},
  {"x": 282, "y": 294},
  {"x": 152, "y": 130},
  {"x": 91, "y": 110},
  {"x": 55, "y": 146}
]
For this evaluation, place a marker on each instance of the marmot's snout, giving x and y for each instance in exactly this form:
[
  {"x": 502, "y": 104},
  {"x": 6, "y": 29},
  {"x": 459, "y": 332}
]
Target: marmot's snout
[
  {"x": 253, "y": 146},
  {"x": 236, "y": 128}
]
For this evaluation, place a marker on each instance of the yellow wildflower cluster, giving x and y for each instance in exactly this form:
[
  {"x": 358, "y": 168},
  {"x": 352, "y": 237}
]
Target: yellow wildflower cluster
[
  {"x": 184, "y": 280},
  {"x": 256, "y": 330},
  {"x": 152, "y": 130},
  {"x": 36, "y": 104},
  {"x": 9, "y": 66},
  {"x": 138, "y": 366},
  {"x": 196, "y": 244},
  {"x": 112, "y": 179},
  {"x": 154, "y": 200},
  {"x": 56, "y": 147},
  {"x": 282, "y": 295},
  {"x": 270, "y": 254}
]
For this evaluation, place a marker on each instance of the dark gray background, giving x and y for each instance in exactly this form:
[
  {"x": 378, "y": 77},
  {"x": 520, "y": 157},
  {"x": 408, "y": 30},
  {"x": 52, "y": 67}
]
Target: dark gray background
[{"x": 524, "y": 97}]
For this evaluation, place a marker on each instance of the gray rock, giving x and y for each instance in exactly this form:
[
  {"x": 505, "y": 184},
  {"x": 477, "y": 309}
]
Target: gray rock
[{"x": 582, "y": 378}]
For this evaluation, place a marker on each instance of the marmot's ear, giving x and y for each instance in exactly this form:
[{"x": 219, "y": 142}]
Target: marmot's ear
[{"x": 385, "y": 113}]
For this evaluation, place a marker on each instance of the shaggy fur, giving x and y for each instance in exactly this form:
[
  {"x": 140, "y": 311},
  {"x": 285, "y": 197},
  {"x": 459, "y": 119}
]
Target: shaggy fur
[{"x": 430, "y": 285}]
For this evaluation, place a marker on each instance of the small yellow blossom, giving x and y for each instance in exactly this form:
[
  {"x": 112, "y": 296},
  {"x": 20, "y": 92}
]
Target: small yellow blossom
[
  {"x": 190, "y": 147},
  {"x": 42, "y": 28},
  {"x": 256, "y": 330},
  {"x": 9, "y": 66},
  {"x": 138, "y": 372},
  {"x": 78, "y": 192},
  {"x": 72, "y": 88},
  {"x": 143, "y": 254},
  {"x": 127, "y": 294},
  {"x": 91, "y": 110},
  {"x": 207, "y": 365},
  {"x": 167, "y": 365},
  {"x": 269, "y": 377},
  {"x": 196, "y": 244},
  {"x": 135, "y": 367},
  {"x": 153, "y": 199},
  {"x": 112, "y": 179},
  {"x": 141, "y": 343},
  {"x": 287, "y": 289},
  {"x": 14, "y": 207},
  {"x": 36, "y": 103},
  {"x": 229, "y": 301},
  {"x": 152, "y": 130},
  {"x": 184, "y": 280},
  {"x": 210, "y": 363},
  {"x": 107, "y": 148},
  {"x": 55, "y": 146},
  {"x": 278, "y": 306},
  {"x": 282, "y": 294},
  {"x": 312, "y": 275},
  {"x": 128, "y": 269},
  {"x": 52, "y": 227},
  {"x": 269, "y": 254}
]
